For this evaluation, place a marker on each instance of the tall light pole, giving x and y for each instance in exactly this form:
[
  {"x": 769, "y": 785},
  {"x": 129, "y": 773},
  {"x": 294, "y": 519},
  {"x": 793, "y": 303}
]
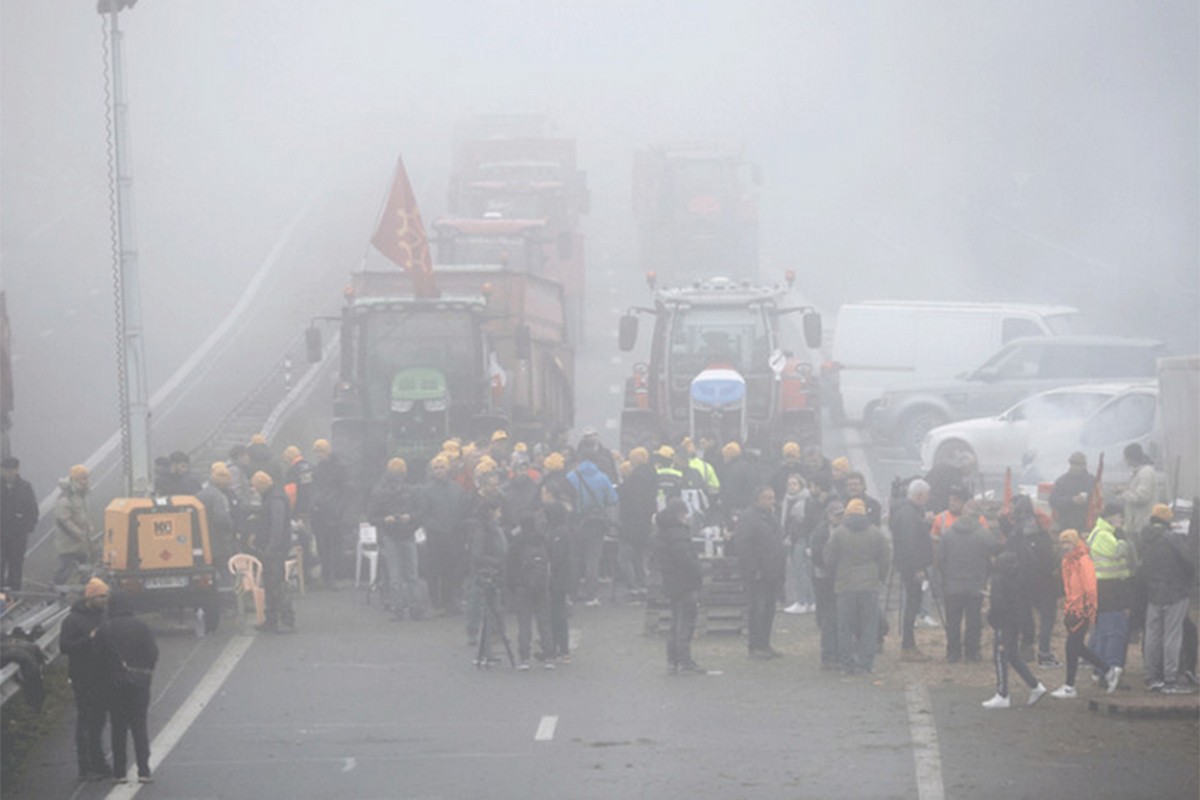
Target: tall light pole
[{"x": 131, "y": 354}]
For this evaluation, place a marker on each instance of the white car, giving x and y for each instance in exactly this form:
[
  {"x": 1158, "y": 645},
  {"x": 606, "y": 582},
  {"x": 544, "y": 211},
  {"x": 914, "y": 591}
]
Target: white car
[
  {"x": 1005, "y": 441},
  {"x": 1131, "y": 417}
]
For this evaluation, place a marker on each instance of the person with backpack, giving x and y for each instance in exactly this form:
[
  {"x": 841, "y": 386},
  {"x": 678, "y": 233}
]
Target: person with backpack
[
  {"x": 597, "y": 503},
  {"x": 128, "y": 650},
  {"x": 679, "y": 563},
  {"x": 528, "y": 573}
]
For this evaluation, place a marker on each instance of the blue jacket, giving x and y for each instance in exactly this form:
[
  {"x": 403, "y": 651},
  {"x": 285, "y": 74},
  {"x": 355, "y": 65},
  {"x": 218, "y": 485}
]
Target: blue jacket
[{"x": 593, "y": 487}]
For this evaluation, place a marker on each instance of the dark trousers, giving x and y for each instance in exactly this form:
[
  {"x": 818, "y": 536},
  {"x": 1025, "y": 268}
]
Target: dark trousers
[
  {"x": 958, "y": 607},
  {"x": 827, "y": 619},
  {"x": 683, "y": 626},
  {"x": 1045, "y": 608},
  {"x": 1005, "y": 652},
  {"x": 327, "y": 534},
  {"x": 130, "y": 705},
  {"x": 589, "y": 547},
  {"x": 277, "y": 595},
  {"x": 911, "y": 582},
  {"x": 560, "y": 630},
  {"x": 12, "y": 560},
  {"x": 760, "y": 611},
  {"x": 91, "y": 711},
  {"x": 532, "y": 607},
  {"x": 1076, "y": 649},
  {"x": 858, "y": 629},
  {"x": 447, "y": 570}
]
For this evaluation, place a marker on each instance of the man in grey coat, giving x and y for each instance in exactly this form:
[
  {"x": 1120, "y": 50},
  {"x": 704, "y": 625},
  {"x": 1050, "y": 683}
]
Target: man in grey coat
[
  {"x": 858, "y": 555},
  {"x": 965, "y": 562}
]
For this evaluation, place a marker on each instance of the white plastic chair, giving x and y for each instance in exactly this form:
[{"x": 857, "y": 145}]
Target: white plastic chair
[
  {"x": 248, "y": 572},
  {"x": 368, "y": 549}
]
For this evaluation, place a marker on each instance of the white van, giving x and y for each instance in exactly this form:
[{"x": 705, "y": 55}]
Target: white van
[{"x": 885, "y": 345}]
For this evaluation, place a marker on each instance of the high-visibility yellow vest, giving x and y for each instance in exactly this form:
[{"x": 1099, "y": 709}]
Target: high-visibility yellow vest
[{"x": 1110, "y": 555}]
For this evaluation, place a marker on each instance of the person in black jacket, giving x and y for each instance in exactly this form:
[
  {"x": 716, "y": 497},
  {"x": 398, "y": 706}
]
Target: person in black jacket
[
  {"x": 1038, "y": 580},
  {"x": 18, "y": 518},
  {"x": 637, "y": 502},
  {"x": 527, "y": 576},
  {"x": 1006, "y": 612},
  {"x": 1168, "y": 573},
  {"x": 273, "y": 541},
  {"x": 913, "y": 556},
  {"x": 1072, "y": 494},
  {"x": 127, "y": 647},
  {"x": 397, "y": 509},
  {"x": 556, "y": 509},
  {"x": 330, "y": 494},
  {"x": 679, "y": 563},
  {"x": 89, "y": 678},
  {"x": 758, "y": 538}
]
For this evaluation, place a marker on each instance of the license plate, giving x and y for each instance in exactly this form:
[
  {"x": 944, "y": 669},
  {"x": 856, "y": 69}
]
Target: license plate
[{"x": 166, "y": 582}]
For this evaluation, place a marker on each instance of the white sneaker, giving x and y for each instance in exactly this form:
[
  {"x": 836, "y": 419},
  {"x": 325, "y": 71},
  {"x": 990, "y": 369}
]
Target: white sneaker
[
  {"x": 595, "y": 601},
  {"x": 524, "y": 665},
  {"x": 795, "y": 608},
  {"x": 1065, "y": 692},
  {"x": 1036, "y": 693},
  {"x": 810, "y": 608},
  {"x": 1112, "y": 678},
  {"x": 927, "y": 621},
  {"x": 999, "y": 701}
]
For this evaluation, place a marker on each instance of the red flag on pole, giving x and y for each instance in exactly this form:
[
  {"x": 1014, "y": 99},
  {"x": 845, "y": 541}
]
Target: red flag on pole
[
  {"x": 1096, "y": 505},
  {"x": 1006, "y": 508},
  {"x": 401, "y": 236}
]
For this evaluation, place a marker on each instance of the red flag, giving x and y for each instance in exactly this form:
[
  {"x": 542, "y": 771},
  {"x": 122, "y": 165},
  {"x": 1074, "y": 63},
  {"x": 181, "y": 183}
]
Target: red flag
[
  {"x": 1097, "y": 502},
  {"x": 401, "y": 236}
]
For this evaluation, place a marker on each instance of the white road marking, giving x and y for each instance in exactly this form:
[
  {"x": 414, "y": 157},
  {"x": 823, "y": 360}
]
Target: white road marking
[
  {"x": 926, "y": 753},
  {"x": 187, "y": 713},
  {"x": 545, "y": 731},
  {"x": 350, "y": 764}
]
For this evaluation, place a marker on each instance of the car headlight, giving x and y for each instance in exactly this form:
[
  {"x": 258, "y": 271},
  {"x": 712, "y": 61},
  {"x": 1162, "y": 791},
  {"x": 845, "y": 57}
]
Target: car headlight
[
  {"x": 402, "y": 406},
  {"x": 435, "y": 405}
]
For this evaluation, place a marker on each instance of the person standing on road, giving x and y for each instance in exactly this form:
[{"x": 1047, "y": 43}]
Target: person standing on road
[
  {"x": 791, "y": 517},
  {"x": 556, "y": 506},
  {"x": 18, "y": 518},
  {"x": 1006, "y": 610},
  {"x": 761, "y": 556},
  {"x": 913, "y": 547},
  {"x": 1115, "y": 562},
  {"x": 858, "y": 556},
  {"x": 1168, "y": 573},
  {"x": 328, "y": 512},
  {"x": 488, "y": 549},
  {"x": 88, "y": 673},
  {"x": 1037, "y": 577},
  {"x": 637, "y": 502},
  {"x": 1072, "y": 494},
  {"x": 446, "y": 504},
  {"x": 680, "y": 566},
  {"x": 273, "y": 540},
  {"x": 73, "y": 525},
  {"x": 788, "y": 466},
  {"x": 597, "y": 505},
  {"x": 964, "y": 562},
  {"x": 215, "y": 496},
  {"x": 130, "y": 655},
  {"x": 397, "y": 510},
  {"x": 1079, "y": 612},
  {"x": 1141, "y": 493},
  {"x": 856, "y": 489},
  {"x": 833, "y": 514},
  {"x": 739, "y": 477},
  {"x": 527, "y": 576}
]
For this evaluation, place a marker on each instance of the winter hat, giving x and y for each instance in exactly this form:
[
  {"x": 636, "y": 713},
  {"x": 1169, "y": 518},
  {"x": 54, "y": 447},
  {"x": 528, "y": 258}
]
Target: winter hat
[
  {"x": 397, "y": 466},
  {"x": 1162, "y": 511},
  {"x": 841, "y": 464},
  {"x": 291, "y": 453},
  {"x": 1069, "y": 536},
  {"x": 451, "y": 446},
  {"x": 220, "y": 474},
  {"x": 321, "y": 447},
  {"x": 78, "y": 472},
  {"x": 520, "y": 447},
  {"x": 261, "y": 481},
  {"x": 95, "y": 588},
  {"x": 791, "y": 450},
  {"x": 731, "y": 451},
  {"x": 554, "y": 462},
  {"x": 639, "y": 456},
  {"x": 856, "y": 506}
]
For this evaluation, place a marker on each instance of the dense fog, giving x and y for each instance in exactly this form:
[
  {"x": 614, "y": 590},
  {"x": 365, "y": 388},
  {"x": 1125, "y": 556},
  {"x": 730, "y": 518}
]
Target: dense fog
[{"x": 1014, "y": 151}]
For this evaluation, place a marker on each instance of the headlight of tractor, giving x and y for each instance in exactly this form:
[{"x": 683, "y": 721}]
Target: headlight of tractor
[{"x": 402, "y": 406}]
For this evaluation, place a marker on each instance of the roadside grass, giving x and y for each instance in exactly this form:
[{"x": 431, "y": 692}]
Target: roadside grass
[{"x": 22, "y": 729}]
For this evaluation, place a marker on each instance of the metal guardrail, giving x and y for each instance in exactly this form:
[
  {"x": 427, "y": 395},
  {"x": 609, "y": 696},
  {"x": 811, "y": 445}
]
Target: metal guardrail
[{"x": 50, "y": 618}]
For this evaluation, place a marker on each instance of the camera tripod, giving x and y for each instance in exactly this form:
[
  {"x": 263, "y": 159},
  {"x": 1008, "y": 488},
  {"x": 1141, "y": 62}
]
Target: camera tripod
[{"x": 491, "y": 617}]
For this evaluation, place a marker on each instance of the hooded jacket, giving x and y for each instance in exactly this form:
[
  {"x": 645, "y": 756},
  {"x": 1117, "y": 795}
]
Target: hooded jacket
[
  {"x": 1006, "y": 605},
  {"x": 73, "y": 526},
  {"x": 125, "y": 641},
  {"x": 592, "y": 486},
  {"x": 677, "y": 557},
  {"x": 1166, "y": 570},
  {"x": 1079, "y": 588},
  {"x": 85, "y": 664},
  {"x": 759, "y": 541},
  {"x": 857, "y": 555},
  {"x": 965, "y": 556}
]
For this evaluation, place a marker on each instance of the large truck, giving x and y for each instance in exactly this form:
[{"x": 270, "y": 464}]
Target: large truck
[
  {"x": 489, "y": 352},
  {"x": 1178, "y": 399},
  {"x": 696, "y": 207},
  {"x": 512, "y": 168},
  {"x": 719, "y": 367}
]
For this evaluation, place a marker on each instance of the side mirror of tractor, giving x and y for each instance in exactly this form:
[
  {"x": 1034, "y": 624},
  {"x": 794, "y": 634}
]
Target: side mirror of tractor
[
  {"x": 812, "y": 329},
  {"x": 627, "y": 335},
  {"x": 312, "y": 344}
]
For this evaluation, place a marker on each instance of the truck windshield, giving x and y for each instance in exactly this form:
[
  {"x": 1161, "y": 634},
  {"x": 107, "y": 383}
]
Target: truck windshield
[
  {"x": 516, "y": 251},
  {"x": 396, "y": 340},
  {"x": 728, "y": 337}
]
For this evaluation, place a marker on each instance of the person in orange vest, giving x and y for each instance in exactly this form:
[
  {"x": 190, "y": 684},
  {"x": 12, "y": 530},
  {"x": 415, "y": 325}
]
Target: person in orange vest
[{"x": 1079, "y": 612}]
